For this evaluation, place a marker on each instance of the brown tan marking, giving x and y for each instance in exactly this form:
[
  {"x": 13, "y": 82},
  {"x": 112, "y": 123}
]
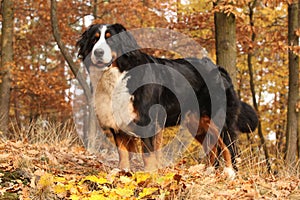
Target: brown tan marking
[{"x": 207, "y": 126}]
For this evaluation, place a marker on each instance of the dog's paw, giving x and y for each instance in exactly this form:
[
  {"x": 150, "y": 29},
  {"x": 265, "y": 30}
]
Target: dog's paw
[{"x": 229, "y": 173}]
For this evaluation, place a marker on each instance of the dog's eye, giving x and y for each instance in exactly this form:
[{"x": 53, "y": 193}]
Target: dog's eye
[
  {"x": 97, "y": 35},
  {"x": 107, "y": 34}
]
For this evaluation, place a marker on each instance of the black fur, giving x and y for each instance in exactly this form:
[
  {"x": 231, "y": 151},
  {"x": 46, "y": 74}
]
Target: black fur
[
  {"x": 247, "y": 119},
  {"x": 239, "y": 115}
]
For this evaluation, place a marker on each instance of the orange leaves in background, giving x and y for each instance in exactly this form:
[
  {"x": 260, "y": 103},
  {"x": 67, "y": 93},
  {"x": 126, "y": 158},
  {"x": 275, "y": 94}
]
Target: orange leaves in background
[{"x": 41, "y": 78}]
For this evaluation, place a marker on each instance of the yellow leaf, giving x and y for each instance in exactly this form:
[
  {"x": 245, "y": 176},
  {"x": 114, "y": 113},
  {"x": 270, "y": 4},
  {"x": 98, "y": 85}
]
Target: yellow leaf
[
  {"x": 165, "y": 180},
  {"x": 96, "y": 196},
  {"x": 125, "y": 179},
  {"x": 59, "y": 189},
  {"x": 70, "y": 185},
  {"x": 124, "y": 192},
  {"x": 74, "y": 197},
  {"x": 147, "y": 191},
  {"x": 59, "y": 179},
  {"x": 141, "y": 176},
  {"x": 45, "y": 181},
  {"x": 95, "y": 179}
]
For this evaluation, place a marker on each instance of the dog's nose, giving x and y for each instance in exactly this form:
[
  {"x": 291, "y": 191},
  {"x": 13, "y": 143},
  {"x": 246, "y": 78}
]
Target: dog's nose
[{"x": 99, "y": 52}]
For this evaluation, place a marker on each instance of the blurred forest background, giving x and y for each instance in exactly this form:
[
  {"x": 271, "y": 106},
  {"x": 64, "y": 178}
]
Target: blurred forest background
[{"x": 38, "y": 80}]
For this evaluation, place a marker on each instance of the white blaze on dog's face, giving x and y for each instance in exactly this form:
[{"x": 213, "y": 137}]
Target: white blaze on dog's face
[{"x": 101, "y": 53}]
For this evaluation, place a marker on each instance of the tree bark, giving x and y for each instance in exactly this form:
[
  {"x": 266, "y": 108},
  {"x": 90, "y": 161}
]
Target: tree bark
[
  {"x": 92, "y": 125},
  {"x": 6, "y": 62},
  {"x": 293, "y": 94},
  {"x": 298, "y": 103},
  {"x": 225, "y": 34}
]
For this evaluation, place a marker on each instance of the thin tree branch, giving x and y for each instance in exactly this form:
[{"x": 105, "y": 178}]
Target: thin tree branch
[
  {"x": 252, "y": 86},
  {"x": 73, "y": 66},
  {"x": 91, "y": 132}
]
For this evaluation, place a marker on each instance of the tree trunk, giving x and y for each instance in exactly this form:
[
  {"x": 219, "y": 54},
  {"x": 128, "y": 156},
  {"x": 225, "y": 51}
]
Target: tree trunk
[
  {"x": 225, "y": 34},
  {"x": 252, "y": 87},
  {"x": 6, "y": 62},
  {"x": 92, "y": 125},
  {"x": 291, "y": 131},
  {"x": 298, "y": 103}
]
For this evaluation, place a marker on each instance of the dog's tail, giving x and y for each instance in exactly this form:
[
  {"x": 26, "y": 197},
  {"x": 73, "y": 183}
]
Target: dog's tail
[{"x": 247, "y": 118}]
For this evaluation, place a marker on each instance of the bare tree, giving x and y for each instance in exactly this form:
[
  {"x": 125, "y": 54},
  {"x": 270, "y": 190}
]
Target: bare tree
[
  {"x": 251, "y": 6},
  {"x": 298, "y": 103},
  {"x": 92, "y": 125},
  {"x": 293, "y": 94},
  {"x": 6, "y": 62}
]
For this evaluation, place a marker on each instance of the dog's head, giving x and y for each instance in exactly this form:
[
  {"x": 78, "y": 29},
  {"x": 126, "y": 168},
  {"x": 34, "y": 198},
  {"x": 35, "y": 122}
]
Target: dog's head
[{"x": 101, "y": 44}]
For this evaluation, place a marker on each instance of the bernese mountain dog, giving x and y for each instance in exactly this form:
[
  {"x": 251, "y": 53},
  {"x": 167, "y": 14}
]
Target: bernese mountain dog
[{"x": 138, "y": 95}]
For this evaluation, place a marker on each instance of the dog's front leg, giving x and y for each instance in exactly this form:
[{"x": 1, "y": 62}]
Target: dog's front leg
[
  {"x": 158, "y": 143},
  {"x": 122, "y": 141},
  {"x": 152, "y": 151}
]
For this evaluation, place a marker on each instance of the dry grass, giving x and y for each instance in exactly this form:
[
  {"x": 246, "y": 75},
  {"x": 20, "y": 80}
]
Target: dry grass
[
  {"x": 60, "y": 154},
  {"x": 46, "y": 132},
  {"x": 251, "y": 159}
]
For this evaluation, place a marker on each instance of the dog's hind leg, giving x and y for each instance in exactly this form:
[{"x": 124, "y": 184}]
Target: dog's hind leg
[
  {"x": 209, "y": 126},
  {"x": 208, "y": 136},
  {"x": 228, "y": 170}
]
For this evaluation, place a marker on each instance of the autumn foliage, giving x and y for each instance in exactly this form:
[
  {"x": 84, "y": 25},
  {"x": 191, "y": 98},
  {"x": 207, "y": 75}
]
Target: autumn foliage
[
  {"x": 42, "y": 90},
  {"x": 41, "y": 79}
]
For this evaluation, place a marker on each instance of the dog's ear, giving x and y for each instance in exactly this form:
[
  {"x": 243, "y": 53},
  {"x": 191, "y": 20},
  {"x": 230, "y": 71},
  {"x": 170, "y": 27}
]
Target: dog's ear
[
  {"x": 125, "y": 39},
  {"x": 119, "y": 27},
  {"x": 84, "y": 42},
  {"x": 81, "y": 44}
]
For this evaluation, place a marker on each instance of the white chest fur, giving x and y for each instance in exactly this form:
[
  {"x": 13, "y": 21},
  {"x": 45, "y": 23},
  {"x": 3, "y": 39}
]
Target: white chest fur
[{"x": 113, "y": 103}]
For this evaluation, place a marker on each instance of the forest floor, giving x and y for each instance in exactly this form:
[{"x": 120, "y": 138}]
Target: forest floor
[{"x": 68, "y": 171}]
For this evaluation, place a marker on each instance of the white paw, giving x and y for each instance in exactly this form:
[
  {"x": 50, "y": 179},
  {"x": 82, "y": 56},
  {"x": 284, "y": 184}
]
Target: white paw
[
  {"x": 229, "y": 172},
  {"x": 115, "y": 171},
  {"x": 210, "y": 170}
]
